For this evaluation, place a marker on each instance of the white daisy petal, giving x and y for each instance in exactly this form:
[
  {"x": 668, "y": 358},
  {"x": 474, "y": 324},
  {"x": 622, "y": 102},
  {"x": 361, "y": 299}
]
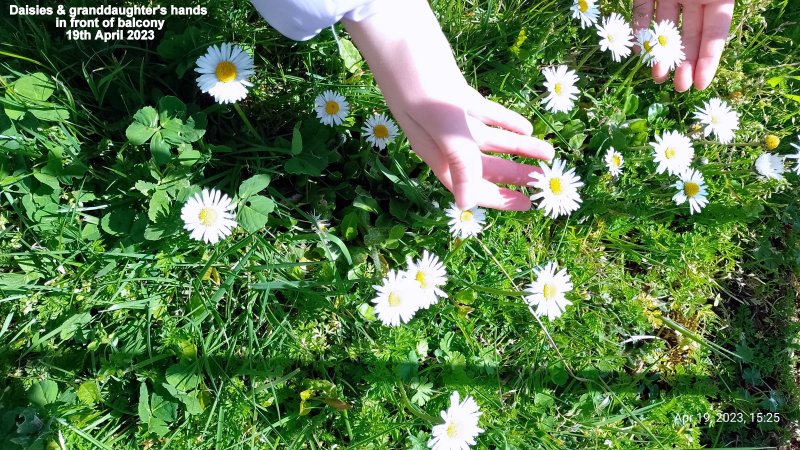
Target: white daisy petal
[
  {"x": 673, "y": 152},
  {"x": 331, "y": 108},
  {"x": 614, "y": 162},
  {"x": 397, "y": 298},
  {"x": 559, "y": 189},
  {"x": 465, "y": 223},
  {"x": 667, "y": 45},
  {"x": 380, "y": 130},
  {"x": 770, "y": 166},
  {"x": 616, "y": 36},
  {"x": 460, "y": 427},
  {"x": 546, "y": 294},
  {"x": 692, "y": 188},
  {"x": 205, "y": 216},
  {"x": 223, "y": 73},
  {"x": 560, "y": 84},
  {"x": 431, "y": 274},
  {"x": 586, "y": 11},
  {"x": 717, "y": 117}
]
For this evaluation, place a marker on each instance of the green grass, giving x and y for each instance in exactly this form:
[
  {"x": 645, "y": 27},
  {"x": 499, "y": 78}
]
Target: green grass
[{"x": 117, "y": 331}]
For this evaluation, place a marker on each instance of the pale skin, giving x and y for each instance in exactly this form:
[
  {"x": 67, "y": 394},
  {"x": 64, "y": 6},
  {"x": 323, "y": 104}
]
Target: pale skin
[
  {"x": 704, "y": 28},
  {"x": 454, "y": 129}
]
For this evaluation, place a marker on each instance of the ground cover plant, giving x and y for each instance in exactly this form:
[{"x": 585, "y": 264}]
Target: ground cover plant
[{"x": 123, "y": 326}]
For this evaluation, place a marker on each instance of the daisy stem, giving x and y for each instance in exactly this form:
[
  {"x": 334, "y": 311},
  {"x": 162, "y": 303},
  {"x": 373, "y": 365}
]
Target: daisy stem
[
  {"x": 414, "y": 410},
  {"x": 623, "y": 67},
  {"x": 247, "y": 122},
  {"x": 491, "y": 255}
]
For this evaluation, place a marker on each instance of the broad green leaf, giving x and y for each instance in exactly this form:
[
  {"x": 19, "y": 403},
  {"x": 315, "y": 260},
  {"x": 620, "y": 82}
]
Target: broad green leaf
[
  {"x": 89, "y": 393},
  {"x": 254, "y": 212},
  {"x": 49, "y": 113},
  {"x": 73, "y": 324},
  {"x": 43, "y": 393},
  {"x": 138, "y": 134},
  {"x": 162, "y": 408},
  {"x": 36, "y": 86},
  {"x": 305, "y": 165},
  {"x": 182, "y": 377},
  {"x": 656, "y": 111},
  {"x": 171, "y": 107},
  {"x": 253, "y": 185},
  {"x": 350, "y": 56},
  {"x": 159, "y": 205},
  {"x": 144, "y": 186},
  {"x": 147, "y": 116},
  {"x": 366, "y": 203},
  {"x": 144, "y": 404},
  {"x": 160, "y": 149},
  {"x": 631, "y": 104},
  {"x": 117, "y": 222},
  {"x": 297, "y": 139}
]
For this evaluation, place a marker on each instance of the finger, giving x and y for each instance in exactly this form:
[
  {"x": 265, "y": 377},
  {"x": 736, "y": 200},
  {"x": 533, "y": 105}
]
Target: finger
[
  {"x": 665, "y": 10},
  {"x": 449, "y": 130},
  {"x": 504, "y": 171},
  {"x": 493, "y": 196},
  {"x": 716, "y": 25},
  {"x": 642, "y": 14},
  {"x": 502, "y": 141},
  {"x": 497, "y": 115},
  {"x": 691, "y": 31}
]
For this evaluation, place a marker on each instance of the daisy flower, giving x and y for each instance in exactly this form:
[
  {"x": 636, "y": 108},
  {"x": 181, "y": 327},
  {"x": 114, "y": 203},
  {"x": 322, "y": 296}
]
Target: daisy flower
[
  {"x": 224, "y": 71},
  {"x": 614, "y": 161},
  {"x": 585, "y": 10},
  {"x": 460, "y": 427},
  {"x": 397, "y": 298},
  {"x": 646, "y": 39},
  {"x": 547, "y": 292},
  {"x": 465, "y": 222},
  {"x": 560, "y": 84},
  {"x": 331, "y": 108},
  {"x": 718, "y": 118},
  {"x": 770, "y": 165},
  {"x": 380, "y": 130},
  {"x": 673, "y": 152},
  {"x": 667, "y": 46},
  {"x": 615, "y": 36},
  {"x": 796, "y": 157},
  {"x": 559, "y": 189},
  {"x": 206, "y": 216},
  {"x": 692, "y": 188},
  {"x": 430, "y": 273}
]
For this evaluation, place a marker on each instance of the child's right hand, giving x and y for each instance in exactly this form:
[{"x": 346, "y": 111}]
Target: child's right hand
[{"x": 447, "y": 123}]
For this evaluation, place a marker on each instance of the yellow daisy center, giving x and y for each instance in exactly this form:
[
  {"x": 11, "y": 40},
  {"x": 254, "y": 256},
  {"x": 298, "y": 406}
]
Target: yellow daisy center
[
  {"x": 421, "y": 279},
  {"x": 583, "y": 5},
  {"x": 691, "y": 189},
  {"x": 208, "y": 216},
  {"x": 380, "y": 131},
  {"x": 452, "y": 430},
  {"x": 616, "y": 161},
  {"x": 332, "y": 107},
  {"x": 610, "y": 38},
  {"x": 662, "y": 40},
  {"x": 466, "y": 216},
  {"x": 772, "y": 141},
  {"x": 647, "y": 46},
  {"x": 555, "y": 186},
  {"x": 714, "y": 119},
  {"x": 669, "y": 153},
  {"x": 394, "y": 300},
  {"x": 549, "y": 291},
  {"x": 558, "y": 88},
  {"x": 226, "y": 71}
]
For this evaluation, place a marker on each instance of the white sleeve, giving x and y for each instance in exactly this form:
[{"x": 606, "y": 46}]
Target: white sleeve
[{"x": 303, "y": 19}]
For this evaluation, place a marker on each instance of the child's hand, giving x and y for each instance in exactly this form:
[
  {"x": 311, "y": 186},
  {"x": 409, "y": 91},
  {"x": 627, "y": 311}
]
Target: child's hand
[
  {"x": 447, "y": 122},
  {"x": 704, "y": 30}
]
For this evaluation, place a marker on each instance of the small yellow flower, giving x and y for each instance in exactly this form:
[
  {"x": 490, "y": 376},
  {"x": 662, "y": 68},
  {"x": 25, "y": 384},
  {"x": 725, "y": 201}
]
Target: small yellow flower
[{"x": 771, "y": 142}]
